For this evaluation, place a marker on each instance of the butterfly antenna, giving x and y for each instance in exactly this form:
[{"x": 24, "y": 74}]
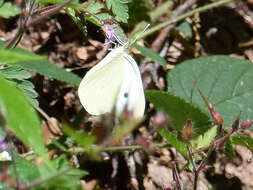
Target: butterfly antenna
[{"x": 146, "y": 27}]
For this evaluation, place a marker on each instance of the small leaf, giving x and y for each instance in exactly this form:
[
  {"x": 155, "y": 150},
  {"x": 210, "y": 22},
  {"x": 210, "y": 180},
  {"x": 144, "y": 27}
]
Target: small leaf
[
  {"x": 25, "y": 84},
  {"x": 205, "y": 139},
  {"x": 174, "y": 141},
  {"x": 15, "y": 72},
  {"x": 21, "y": 117},
  {"x": 152, "y": 55},
  {"x": 178, "y": 110},
  {"x": 229, "y": 150},
  {"x": 243, "y": 140},
  {"x": 125, "y": 128},
  {"x": 212, "y": 75},
  {"x": 79, "y": 137},
  {"x": 119, "y": 8},
  {"x": 8, "y": 10},
  {"x": 185, "y": 27}
]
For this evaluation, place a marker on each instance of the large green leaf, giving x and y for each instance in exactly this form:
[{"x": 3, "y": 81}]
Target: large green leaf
[
  {"x": 178, "y": 110},
  {"x": 38, "y": 64},
  {"x": 225, "y": 81},
  {"x": 21, "y": 116}
]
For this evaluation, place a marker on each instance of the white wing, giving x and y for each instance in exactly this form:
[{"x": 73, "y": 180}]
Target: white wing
[
  {"x": 100, "y": 87},
  {"x": 131, "y": 95}
]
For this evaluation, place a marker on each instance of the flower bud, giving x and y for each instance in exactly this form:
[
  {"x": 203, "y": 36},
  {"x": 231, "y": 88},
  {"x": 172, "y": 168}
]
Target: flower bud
[
  {"x": 246, "y": 124},
  {"x": 216, "y": 116}
]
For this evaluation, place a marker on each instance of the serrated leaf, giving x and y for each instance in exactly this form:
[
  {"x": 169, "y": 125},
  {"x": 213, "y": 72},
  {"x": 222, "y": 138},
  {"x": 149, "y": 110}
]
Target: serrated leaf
[
  {"x": 31, "y": 96},
  {"x": 174, "y": 141},
  {"x": 206, "y": 139},
  {"x": 152, "y": 55},
  {"x": 94, "y": 7},
  {"x": 8, "y": 10},
  {"x": 225, "y": 81},
  {"x": 21, "y": 117},
  {"x": 38, "y": 64},
  {"x": 178, "y": 110},
  {"x": 243, "y": 140},
  {"x": 15, "y": 72},
  {"x": 229, "y": 150},
  {"x": 25, "y": 84},
  {"x": 119, "y": 8}
]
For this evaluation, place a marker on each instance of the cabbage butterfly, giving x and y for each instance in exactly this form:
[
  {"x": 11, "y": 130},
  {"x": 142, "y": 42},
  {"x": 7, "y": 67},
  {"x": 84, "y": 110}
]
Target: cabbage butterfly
[{"x": 114, "y": 83}]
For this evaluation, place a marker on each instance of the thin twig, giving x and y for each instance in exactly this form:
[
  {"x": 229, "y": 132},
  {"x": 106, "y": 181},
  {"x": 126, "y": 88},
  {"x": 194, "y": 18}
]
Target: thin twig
[
  {"x": 183, "y": 16},
  {"x": 77, "y": 150}
]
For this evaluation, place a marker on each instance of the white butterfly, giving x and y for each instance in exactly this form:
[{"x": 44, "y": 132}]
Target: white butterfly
[
  {"x": 5, "y": 156},
  {"x": 114, "y": 83}
]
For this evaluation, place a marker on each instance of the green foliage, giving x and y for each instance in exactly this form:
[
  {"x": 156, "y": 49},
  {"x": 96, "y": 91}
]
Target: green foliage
[
  {"x": 243, "y": 140},
  {"x": 21, "y": 117},
  {"x": 38, "y": 64},
  {"x": 229, "y": 150},
  {"x": 18, "y": 75},
  {"x": 174, "y": 141},
  {"x": 124, "y": 129},
  {"x": 205, "y": 139},
  {"x": 138, "y": 11},
  {"x": 8, "y": 10},
  {"x": 68, "y": 179},
  {"x": 179, "y": 110},
  {"x": 152, "y": 55},
  {"x": 80, "y": 137},
  {"x": 212, "y": 75},
  {"x": 185, "y": 27},
  {"x": 119, "y": 8}
]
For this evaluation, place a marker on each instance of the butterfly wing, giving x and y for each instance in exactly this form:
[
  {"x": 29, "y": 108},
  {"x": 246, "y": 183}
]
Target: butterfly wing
[
  {"x": 99, "y": 89},
  {"x": 131, "y": 95}
]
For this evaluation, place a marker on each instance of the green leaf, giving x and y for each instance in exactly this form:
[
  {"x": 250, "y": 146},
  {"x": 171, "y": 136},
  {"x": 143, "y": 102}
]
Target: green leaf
[
  {"x": 125, "y": 128},
  {"x": 138, "y": 11},
  {"x": 8, "y": 10},
  {"x": 225, "y": 81},
  {"x": 152, "y": 55},
  {"x": 27, "y": 172},
  {"x": 174, "y": 141},
  {"x": 185, "y": 27},
  {"x": 38, "y": 64},
  {"x": 64, "y": 180},
  {"x": 18, "y": 75},
  {"x": 243, "y": 140},
  {"x": 21, "y": 117},
  {"x": 15, "y": 72},
  {"x": 229, "y": 150},
  {"x": 205, "y": 139},
  {"x": 119, "y": 8},
  {"x": 80, "y": 137},
  {"x": 178, "y": 110},
  {"x": 23, "y": 169}
]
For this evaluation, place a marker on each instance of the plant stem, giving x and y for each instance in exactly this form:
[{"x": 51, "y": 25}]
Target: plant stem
[
  {"x": 183, "y": 16},
  {"x": 77, "y": 150}
]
